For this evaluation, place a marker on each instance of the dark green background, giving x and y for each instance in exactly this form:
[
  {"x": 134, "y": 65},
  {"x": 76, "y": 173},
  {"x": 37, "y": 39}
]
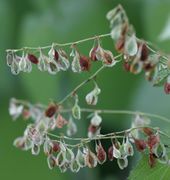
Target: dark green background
[{"x": 41, "y": 22}]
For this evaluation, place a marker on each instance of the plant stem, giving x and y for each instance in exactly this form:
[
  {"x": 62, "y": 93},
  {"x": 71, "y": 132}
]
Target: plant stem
[
  {"x": 60, "y": 44},
  {"x": 84, "y": 82}
]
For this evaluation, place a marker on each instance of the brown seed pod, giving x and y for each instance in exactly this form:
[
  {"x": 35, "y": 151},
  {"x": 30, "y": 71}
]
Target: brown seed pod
[
  {"x": 85, "y": 63},
  {"x": 140, "y": 144},
  {"x": 167, "y": 88},
  {"x": 144, "y": 52},
  {"x": 51, "y": 110},
  {"x": 32, "y": 58}
]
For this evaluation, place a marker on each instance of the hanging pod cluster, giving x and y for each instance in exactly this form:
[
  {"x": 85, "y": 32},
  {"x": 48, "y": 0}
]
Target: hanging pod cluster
[{"x": 138, "y": 56}]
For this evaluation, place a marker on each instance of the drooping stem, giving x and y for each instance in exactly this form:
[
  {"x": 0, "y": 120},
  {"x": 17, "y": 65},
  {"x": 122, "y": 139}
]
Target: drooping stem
[{"x": 60, "y": 44}]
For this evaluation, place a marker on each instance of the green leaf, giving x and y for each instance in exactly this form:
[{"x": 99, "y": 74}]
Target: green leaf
[{"x": 143, "y": 171}]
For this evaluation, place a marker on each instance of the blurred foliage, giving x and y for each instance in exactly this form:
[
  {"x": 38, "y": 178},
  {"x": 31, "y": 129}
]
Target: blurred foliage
[{"x": 41, "y": 22}]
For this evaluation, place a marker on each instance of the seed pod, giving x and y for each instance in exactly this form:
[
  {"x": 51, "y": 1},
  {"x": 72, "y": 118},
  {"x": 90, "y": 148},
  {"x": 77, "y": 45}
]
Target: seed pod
[
  {"x": 32, "y": 58},
  {"x": 76, "y": 111},
  {"x": 167, "y": 88},
  {"x": 91, "y": 159},
  {"x": 160, "y": 150},
  {"x": 147, "y": 131},
  {"x": 19, "y": 143},
  {"x": 55, "y": 147},
  {"x": 101, "y": 154},
  {"x": 60, "y": 121},
  {"x": 128, "y": 148},
  {"x": 76, "y": 67},
  {"x": 52, "y": 68},
  {"x": 47, "y": 147},
  {"x": 51, "y": 161},
  {"x": 74, "y": 166},
  {"x": 92, "y": 97},
  {"x": 35, "y": 150},
  {"x": 71, "y": 127},
  {"x": 93, "y": 131},
  {"x": 80, "y": 158},
  {"x": 153, "y": 140},
  {"x": 51, "y": 110},
  {"x": 122, "y": 163},
  {"x": 93, "y": 52},
  {"x": 10, "y": 57},
  {"x": 68, "y": 155},
  {"x": 120, "y": 43},
  {"x": 96, "y": 119},
  {"x": 144, "y": 52},
  {"x": 60, "y": 159},
  {"x": 110, "y": 153},
  {"x": 131, "y": 47},
  {"x": 140, "y": 144},
  {"x": 85, "y": 63}
]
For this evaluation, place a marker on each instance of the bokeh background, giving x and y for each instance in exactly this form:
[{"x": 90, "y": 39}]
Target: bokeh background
[{"x": 41, "y": 22}]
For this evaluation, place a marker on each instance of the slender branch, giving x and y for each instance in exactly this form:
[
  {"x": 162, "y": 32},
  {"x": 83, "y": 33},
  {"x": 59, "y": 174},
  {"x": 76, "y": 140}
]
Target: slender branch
[
  {"x": 84, "y": 82},
  {"x": 60, "y": 44}
]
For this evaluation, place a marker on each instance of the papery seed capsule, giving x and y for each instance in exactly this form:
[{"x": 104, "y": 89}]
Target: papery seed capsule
[
  {"x": 10, "y": 58},
  {"x": 56, "y": 55},
  {"x": 60, "y": 159},
  {"x": 74, "y": 167},
  {"x": 35, "y": 150},
  {"x": 122, "y": 163},
  {"x": 32, "y": 58},
  {"x": 140, "y": 144},
  {"x": 47, "y": 147},
  {"x": 148, "y": 131},
  {"x": 51, "y": 161},
  {"x": 60, "y": 121},
  {"x": 19, "y": 143},
  {"x": 160, "y": 150},
  {"x": 76, "y": 111},
  {"x": 55, "y": 146},
  {"x": 128, "y": 148},
  {"x": 126, "y": 66},
  {"x": 92, "y": 53},
  {"x": 101, "y": 154},
  {"x": 119, "y": 46},
  {"x": 80, "y": 158},
  {"x": 68, "y": 155},
  {"x": 144, "y": 52},
  {"x": 51, "y": 110},
  {"x": 85, "y": 63},
  {"x": 96, "y": 120},
  {"x": 71, "y": 127},
  {"x": 52, "y": 68},
  {"x": 110, "y": 153},
  {"x": 91, "y": 159},
  {"x": 108, "y": 58},
  {"x": 153, "y": 140},
  {"x": 167, "y": 88}
]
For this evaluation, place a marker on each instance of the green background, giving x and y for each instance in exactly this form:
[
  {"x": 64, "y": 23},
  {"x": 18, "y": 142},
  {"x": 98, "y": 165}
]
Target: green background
[{"x": 41, "y": 22}]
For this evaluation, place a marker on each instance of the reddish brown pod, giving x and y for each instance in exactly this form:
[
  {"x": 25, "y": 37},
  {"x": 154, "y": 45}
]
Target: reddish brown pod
[
  {"x": 167, "y": 88},
  {"x": 85, "y": 63},
  {"x": 144, "y": 52},
  {"x": 92, "y": 53},
  {"x": 51, "y": 110},
  {"x": 32, "y": 58}
]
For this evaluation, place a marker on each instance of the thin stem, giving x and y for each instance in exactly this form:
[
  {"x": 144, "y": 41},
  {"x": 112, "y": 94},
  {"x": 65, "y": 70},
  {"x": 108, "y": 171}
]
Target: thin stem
[
  {"x": 60, "y": 44},
  {"x": 84, "y": 82},
  {"x": 127, "y": 112}
]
